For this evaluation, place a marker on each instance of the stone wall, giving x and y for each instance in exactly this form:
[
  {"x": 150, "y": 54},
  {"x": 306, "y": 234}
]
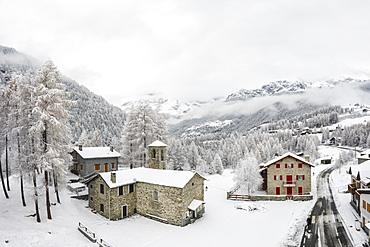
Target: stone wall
[
  {"x": 272, "y": 171},
  {"x": 111, "y": 200},
  {"x": 170, "y": 204}
]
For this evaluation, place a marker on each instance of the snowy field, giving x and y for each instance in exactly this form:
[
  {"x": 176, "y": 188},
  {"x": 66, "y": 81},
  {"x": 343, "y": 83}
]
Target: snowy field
[{"x": 226, "y": 223}]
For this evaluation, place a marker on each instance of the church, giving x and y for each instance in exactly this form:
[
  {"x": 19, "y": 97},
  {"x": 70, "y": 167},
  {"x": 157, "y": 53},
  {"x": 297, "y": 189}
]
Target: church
[{"x": 173, "y": 197}]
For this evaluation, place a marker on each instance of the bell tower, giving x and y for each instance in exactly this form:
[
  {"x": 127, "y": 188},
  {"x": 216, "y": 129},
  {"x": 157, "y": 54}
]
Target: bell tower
[{"x": 157, "y": 155}]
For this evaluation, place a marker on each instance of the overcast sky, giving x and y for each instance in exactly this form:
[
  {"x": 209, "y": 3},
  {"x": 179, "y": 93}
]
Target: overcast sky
[{"x": 193, "y": 49}]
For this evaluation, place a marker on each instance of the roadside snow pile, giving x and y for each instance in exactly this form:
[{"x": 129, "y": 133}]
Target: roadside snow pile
[{"x": 252, "y": 207}]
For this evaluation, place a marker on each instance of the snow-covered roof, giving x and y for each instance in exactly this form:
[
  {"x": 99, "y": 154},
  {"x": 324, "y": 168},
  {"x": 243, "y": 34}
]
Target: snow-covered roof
[
  {"x": 195, "y": 204},
  {"x": 286, "y": 155},
  {"x": 169, "y": 178},
  {"x": 96, "y": 152},
  {"x": 157, "y": 143},
  {"x": 364, "y": 170}
]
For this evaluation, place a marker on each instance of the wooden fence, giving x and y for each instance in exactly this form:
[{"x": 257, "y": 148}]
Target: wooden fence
[
  {"x": 238, "y": 197},
  {"x": 87, "y": 232}
]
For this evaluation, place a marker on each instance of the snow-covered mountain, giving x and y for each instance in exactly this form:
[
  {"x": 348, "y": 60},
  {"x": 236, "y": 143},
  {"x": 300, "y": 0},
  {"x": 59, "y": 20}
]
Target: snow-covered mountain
[
  {"x": 168, "y": 108},
  {"x": 286, "y": 87}
]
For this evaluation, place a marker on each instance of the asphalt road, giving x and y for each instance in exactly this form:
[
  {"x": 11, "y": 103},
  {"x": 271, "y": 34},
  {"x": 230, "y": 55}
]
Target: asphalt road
[{"x": 326, "y": 228}]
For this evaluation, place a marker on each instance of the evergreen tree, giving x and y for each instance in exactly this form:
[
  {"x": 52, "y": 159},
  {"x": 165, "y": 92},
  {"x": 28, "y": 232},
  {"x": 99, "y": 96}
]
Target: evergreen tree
[
  {"x": 247, "y": 176},
  {"x": 51, "y": 128},
  {"x": 142, "y": 127}
]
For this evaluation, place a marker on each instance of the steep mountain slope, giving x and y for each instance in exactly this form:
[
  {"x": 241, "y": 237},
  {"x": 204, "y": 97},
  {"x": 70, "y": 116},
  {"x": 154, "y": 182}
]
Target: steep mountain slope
[{"x": 90, "y": 111}]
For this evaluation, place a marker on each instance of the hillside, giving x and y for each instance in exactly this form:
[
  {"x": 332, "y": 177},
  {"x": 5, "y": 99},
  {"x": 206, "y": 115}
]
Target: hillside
[{"x": 90, "y": 111}]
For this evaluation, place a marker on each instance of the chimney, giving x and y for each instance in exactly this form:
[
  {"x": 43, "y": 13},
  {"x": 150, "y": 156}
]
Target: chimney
[
  {"x": 80, "y": 147},
  {"x": 307, "y": 158},
  {"x": 113, "y": 176},
  {"x": 111, "y": 148}
]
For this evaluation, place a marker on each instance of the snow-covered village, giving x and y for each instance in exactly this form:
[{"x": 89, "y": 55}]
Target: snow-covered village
[{"x": 199, "y": 123}]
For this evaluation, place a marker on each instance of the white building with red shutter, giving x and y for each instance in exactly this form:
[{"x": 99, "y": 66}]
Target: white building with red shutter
[{"x": 288, "y": 175}]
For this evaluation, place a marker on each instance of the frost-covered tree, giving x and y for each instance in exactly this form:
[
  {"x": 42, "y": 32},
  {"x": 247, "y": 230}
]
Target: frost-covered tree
[
  {"x": 247, "y": 177},
  {"x": 217, "y": 164},
  {"x": 142, "y": 127},
  {"x": 51, "y": 129},
  {"x": 96, "y": 140}
]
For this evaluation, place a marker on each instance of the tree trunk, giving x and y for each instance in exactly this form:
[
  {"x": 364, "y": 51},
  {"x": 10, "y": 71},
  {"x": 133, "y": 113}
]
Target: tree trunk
[
  {"x": 22, "y": 191},
  {"x": 3, "y": 182},
  {"x": 48, "y": 210},
  {"x": 21, "y": 171},
  {"x": 7, "y": 163},
  {"x": 38, "y": 219},
  {"x": 56, "y": 187}
]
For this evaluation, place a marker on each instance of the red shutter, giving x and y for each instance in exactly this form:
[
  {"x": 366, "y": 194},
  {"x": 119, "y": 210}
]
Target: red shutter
[
  {"x": 292, "y": 165},
  {"x": 296, "y": 178},
  {"x": 277, "y": 165},
  {"x": 302, "y": 177},
  {"x": 286, "y": 165},
  {"x": 274, "y": 177},
  {"x": 300, "y": 165}
]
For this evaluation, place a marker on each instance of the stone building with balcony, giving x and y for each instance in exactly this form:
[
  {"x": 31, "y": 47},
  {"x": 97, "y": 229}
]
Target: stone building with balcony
[{"x": 288, "y": 175}]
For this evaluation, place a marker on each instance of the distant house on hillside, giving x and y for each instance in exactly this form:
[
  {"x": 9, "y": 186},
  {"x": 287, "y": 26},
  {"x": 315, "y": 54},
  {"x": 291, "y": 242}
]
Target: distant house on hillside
[
  {"x": 288, "y": 175},
  {"x": 87, "y": 160},
  {"x": 364, "y": 156}
]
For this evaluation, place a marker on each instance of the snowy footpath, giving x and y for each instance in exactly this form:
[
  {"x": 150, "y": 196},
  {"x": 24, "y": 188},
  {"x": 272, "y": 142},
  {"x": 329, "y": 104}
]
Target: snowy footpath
[{"x": 226, "y": 223}]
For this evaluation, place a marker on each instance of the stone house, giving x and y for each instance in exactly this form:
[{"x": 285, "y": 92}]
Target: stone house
[
  {"x": 174, "y": 197},
  {"x": 288, "y": 175},
  {"x": 87, "y": 160}
]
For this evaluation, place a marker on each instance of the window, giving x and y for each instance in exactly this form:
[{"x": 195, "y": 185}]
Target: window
[
  {"x": 91, "y": 186},
  {"x": 97, "y": 167},
  {"x": 278, "y": 177},
  {"x": 102, "y": 188},
  {"x": 277, "y": 165},
  {"x": 102, "y": 208},
  {"x": 364, "y": 204},
  {"x": 155, "y": 195},
  {"x": 113, "y": 165},
  {"x": 120, "y": 190},
  {"x": 153, "y": 154},
  {"x": 91, "y": 198},
  {"x": 289, "y": 165},
  {"x": 300, "y": 165},
  {"x": 162, "y": 155},
  {"x": 82, "y": 167},
  {"x": 130, "y": 188},
  {"x": 368, "y": 207},
  {"x": 300, "y": 191},
  {"x": 277, "y": 190},
  {"x": 300, "y": 177}
]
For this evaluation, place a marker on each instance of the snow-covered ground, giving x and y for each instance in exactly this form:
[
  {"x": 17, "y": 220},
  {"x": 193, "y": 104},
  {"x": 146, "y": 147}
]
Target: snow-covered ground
[{"x": 226, "y": 223}]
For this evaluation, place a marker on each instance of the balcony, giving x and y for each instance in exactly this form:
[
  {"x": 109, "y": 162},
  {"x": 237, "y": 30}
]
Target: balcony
[{"x": 289, "y": 183}]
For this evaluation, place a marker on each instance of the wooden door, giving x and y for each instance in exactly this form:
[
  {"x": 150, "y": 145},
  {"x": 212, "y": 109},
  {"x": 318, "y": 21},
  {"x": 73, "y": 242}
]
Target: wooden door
[
  {"x": 106, "y": 167},
  {"x": 124, "y": 211},
  {"x": 277, "y": 190},
  {"x": 289, "y": 191}
]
